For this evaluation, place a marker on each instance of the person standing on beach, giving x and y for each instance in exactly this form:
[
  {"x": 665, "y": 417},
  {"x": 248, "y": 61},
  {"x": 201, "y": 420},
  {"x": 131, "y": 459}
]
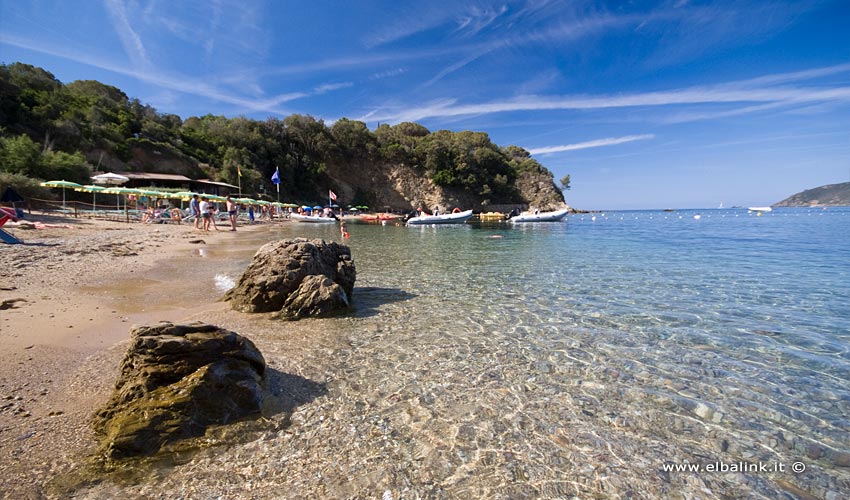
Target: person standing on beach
[
  {"x": 195, "y": 206},
  {"x": 212, "y": 211},
  {"x": 231, "y": 212},
  {"x": 204, "y": 209}
]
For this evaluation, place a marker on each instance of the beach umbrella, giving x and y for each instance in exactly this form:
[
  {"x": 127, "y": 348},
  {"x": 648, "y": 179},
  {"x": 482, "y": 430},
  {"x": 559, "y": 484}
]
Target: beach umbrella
[
  {"x": 290, "y": 205},
  {"x": 110, "y": 179},
  {"x": 151, "y": 193},
  {"x": 93, "y": 190},
  {"x": 181, "y": 195},
  {"x": 61, "y": 184},
  {"x": 122, "y": 191}
]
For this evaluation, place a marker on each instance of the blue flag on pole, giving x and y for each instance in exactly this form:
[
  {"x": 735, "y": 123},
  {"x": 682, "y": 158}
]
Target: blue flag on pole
[{"x": 276, "y": 176}]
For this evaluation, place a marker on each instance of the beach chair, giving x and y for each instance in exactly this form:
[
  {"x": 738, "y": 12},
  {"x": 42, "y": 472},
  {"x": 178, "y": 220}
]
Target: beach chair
[
  {"x": 6, "y": 215},
  {"x": 167, "y": 216}
]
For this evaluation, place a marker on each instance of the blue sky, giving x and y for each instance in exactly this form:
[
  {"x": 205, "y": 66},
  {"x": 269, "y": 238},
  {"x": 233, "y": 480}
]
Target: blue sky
[{"x": 645, "y": 104}]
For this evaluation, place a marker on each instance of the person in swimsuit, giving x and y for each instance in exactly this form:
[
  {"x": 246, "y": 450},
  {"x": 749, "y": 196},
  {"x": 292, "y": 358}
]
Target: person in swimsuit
[{"x": 232, "y": 212}]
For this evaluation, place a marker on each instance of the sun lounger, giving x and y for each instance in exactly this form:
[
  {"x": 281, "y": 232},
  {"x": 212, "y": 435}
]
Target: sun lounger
[{"x": 6, "y": 215}]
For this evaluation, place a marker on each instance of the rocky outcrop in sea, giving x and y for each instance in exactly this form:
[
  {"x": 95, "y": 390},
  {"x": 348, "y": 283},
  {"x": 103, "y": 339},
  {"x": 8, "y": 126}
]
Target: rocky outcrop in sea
[{"x": 297, "y": 278}]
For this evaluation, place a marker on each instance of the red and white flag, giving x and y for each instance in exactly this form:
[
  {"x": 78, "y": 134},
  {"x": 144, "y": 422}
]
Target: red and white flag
[{"x": 331, "y": 195}]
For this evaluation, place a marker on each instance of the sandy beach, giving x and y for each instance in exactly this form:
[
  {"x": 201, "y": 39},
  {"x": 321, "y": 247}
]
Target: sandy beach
[{"x": 63, "y": 324}]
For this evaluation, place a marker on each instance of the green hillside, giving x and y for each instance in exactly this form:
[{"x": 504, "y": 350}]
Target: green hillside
[
  {"x": 829, "y": 195},
  {"x": 51, "y": 130}
]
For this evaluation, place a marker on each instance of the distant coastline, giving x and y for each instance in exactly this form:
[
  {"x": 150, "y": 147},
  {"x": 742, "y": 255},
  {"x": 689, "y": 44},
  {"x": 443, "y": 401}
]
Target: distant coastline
[{"x": 830, "y": 195}]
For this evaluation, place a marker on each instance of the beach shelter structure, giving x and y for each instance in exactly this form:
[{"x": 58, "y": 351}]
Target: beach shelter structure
[{"x": 61, "y": 184}]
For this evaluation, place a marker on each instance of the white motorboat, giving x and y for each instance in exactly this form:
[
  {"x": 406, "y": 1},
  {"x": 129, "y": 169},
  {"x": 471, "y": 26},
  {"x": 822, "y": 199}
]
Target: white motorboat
[
  {"x": 760, "y": 209},
  {"x": 556, "y": 216},
  {"x": 454, "y": 218},
  {"x": 313, "y": 218}
]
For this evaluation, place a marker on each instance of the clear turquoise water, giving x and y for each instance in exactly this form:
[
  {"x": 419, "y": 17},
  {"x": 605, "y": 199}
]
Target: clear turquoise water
[
  {"x": 536, "y": 359},
  {"x": 732, "y": 278}
]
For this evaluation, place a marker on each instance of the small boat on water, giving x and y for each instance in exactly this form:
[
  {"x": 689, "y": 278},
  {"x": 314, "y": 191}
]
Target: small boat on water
[
  {"x": 491, "y": 216},
  {"x": 313, "y": 218},
  {"x": 379, "y": 217},
  {"x": 760, "y": 209},
  {"x": 453, "y": 218},
  {"x": 556, "y": 216}
]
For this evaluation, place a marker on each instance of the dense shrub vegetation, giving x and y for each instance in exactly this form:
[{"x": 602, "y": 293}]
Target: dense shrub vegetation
[{"x": 46, "y": 127}]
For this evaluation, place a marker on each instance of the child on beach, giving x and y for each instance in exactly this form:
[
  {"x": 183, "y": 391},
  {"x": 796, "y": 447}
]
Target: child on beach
[
  {"x": 204, "y": 209},
  {"x": 212, "y": 217}
]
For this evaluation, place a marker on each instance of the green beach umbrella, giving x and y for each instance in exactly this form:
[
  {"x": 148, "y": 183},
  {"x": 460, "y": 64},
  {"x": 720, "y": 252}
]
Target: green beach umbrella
[
  {"x": 151, "y": 193},
  {"x": 123, "y": 191},
  {"x": 61, "y": 184},
  {"x": 93, "y": 190},
  {"x": 182, "y": 195}
]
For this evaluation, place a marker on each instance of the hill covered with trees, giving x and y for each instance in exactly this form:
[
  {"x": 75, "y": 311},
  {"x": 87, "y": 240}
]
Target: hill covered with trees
[
  {"x": 51, "y": 130},
  {"x": 829, "y": 195}
]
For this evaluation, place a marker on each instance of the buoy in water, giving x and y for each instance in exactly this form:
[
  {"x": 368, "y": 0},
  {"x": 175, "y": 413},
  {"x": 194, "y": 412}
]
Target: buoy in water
[{"x": 697, "y": 217}]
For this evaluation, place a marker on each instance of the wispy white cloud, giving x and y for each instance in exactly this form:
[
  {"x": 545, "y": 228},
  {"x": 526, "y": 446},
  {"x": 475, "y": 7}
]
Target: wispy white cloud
[
  {"x": 597, "y": 143},
  {"x": 180, "y": 83},
  {"x": 387, "y": 73},
  {"x": 130, "y": 40},
  {"x": 744, "y": 91},
  {"x": 478, "y": 18},
  {"x": 328, "y": 87},
  {"x": 454, "y": 67},
  {"x": 427, "y": 17}
]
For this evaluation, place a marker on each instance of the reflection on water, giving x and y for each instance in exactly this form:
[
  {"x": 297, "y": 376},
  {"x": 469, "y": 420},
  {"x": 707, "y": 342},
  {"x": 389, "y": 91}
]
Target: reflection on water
[{"x": 574, "y": 359}]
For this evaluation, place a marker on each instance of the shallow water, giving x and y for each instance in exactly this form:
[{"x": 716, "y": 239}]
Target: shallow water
[{"x": 569, "y": 359}]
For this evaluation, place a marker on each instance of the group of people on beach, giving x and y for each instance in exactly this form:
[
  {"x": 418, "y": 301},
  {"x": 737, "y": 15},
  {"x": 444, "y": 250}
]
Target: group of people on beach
[{"x": 204, "y": 212}]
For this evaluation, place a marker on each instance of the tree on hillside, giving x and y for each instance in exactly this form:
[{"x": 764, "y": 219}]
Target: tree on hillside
[{"x": 46, "y": 127}]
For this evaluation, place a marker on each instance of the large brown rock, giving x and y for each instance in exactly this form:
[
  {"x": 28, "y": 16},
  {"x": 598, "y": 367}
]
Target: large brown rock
[
  {"x": 177, "y": 380},
  {"x": 297, "y": 277}
]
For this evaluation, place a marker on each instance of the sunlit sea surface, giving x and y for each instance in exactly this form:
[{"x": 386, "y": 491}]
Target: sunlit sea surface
[{"x": 586, "y": 357}]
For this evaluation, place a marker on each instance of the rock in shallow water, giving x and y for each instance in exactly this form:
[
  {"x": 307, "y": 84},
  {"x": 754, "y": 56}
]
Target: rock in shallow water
[
  {"x": 177, "y": 380},
  {"x": 297, "y": 277}
]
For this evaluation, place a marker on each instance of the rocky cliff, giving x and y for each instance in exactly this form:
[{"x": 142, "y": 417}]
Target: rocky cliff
[
  {"x": 829, "y": 195},
  {"x": 382, "y": 185},
  {"x": 402, "y": 186}
]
